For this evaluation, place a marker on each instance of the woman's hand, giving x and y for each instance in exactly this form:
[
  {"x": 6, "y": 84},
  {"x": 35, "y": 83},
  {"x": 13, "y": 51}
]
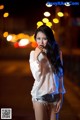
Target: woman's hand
[{"x": 59, "y": 104}]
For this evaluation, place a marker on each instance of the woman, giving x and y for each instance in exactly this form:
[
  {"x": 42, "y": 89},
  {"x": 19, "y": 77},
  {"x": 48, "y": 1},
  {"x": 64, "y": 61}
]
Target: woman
[{"x": 47, "y": 69}]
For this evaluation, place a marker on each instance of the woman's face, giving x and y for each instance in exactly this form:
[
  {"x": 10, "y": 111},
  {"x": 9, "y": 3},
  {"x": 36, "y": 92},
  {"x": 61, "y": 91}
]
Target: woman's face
[{"x": 41, "y": 39}]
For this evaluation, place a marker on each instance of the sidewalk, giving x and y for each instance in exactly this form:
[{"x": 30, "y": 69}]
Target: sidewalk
[{"x": 73, "y": 96}]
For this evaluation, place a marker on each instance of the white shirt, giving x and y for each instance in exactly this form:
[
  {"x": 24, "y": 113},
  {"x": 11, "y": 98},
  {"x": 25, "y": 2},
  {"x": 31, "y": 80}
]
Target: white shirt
[{"x": 45, "y": 80}]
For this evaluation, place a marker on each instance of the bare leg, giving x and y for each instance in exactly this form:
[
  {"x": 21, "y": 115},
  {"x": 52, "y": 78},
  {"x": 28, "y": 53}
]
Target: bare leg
[
  {"x": 53, "y": 115},
  {"x": 40, "y": 110}
]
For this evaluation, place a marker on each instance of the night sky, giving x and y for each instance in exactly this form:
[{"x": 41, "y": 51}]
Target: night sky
[
  {"x": 31, "y": 10},
  {"x": 30, "y": 7},
  {"x": 22, "y": 8}
]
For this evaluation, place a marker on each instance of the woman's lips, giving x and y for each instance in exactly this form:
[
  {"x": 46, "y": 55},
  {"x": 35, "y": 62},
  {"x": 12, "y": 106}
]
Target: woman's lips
[{"x": 42, "y": 46}]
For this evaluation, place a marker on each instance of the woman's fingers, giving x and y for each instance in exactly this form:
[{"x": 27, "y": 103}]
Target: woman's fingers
[
  {"x": 40, "y": 47},
  {"x": 57, "y": 107}
]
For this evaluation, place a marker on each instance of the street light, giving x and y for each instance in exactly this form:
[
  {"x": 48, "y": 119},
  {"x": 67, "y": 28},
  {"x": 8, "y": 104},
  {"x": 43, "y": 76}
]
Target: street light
[
  {"x": 47, "y": 14},
  {"x": 55, "y": 20},
  {"x": 60, "y": 14},
  {"x": 45, "y": 20},
  {"x": 49, "y": 24}
]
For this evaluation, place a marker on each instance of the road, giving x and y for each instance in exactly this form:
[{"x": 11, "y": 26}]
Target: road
[{"x": 15, "y": 86}]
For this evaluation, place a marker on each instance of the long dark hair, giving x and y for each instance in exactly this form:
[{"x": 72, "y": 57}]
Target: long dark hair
[{"x": 53, "y": 51}]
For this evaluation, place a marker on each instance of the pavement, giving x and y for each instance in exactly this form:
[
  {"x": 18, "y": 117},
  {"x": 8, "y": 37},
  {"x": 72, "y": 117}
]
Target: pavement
[
  {"x": 73, "y": 96},
  {"x": 15, "y": 85}
]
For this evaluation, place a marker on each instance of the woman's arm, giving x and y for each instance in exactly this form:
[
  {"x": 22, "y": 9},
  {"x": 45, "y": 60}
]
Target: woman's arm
[
  {"x": 61, "y": 79},
  {"x": 61, "y": 89},
  {"x": 35, "y": 64}
]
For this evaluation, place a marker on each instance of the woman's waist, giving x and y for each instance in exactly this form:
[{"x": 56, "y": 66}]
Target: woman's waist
[
  {"x": 47, "y": 98},
  {"x": 50, "y": 97}
]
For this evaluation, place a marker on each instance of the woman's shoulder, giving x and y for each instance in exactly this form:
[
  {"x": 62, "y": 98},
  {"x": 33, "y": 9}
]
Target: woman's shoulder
[{"x": 31, "y": 52}]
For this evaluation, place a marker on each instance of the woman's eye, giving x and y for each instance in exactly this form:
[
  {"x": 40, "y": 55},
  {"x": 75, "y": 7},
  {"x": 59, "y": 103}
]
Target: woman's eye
[
  {"x": 41, "y": 38},
  {"x": 38, "y": 38},
  {"x": 45, "y": 38}
]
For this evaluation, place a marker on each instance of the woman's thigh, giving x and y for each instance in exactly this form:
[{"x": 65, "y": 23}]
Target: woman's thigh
[
  {"x": 40, "y": 110},
  {"x": 53, "y": 115}
]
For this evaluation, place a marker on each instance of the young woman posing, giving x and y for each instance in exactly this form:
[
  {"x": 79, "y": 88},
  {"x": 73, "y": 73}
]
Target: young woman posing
[{"x": 47, "y": 69}]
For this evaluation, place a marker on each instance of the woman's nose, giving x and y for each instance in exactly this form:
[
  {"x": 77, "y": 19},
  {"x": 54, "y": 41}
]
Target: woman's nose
[{"x": 41, "y": 41}]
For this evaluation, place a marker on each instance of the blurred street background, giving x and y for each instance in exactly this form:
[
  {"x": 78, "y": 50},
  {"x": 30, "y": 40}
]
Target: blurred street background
[{"x": 18, "y": 22}]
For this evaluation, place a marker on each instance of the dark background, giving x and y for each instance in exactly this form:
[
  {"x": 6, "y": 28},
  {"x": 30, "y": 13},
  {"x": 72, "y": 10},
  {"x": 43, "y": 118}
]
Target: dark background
[{"x": 15, "y": 76}]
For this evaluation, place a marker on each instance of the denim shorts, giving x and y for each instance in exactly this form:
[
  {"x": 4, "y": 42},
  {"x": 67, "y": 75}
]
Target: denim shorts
[{"x": 47, "y": 99}]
